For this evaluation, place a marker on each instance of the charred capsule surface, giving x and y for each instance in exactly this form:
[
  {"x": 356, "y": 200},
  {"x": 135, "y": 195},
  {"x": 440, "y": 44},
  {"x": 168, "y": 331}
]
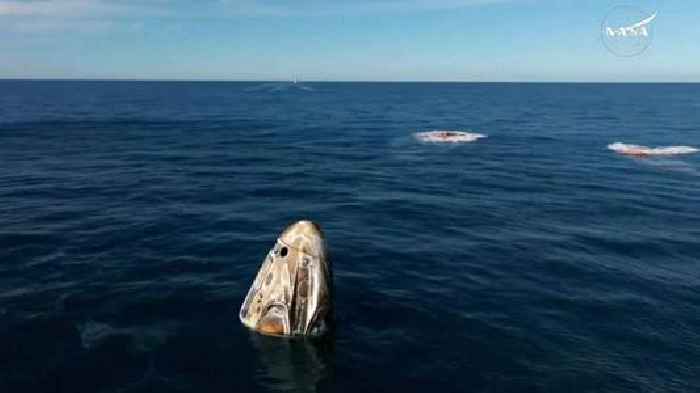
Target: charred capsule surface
[{"x": 292, "y": 292}]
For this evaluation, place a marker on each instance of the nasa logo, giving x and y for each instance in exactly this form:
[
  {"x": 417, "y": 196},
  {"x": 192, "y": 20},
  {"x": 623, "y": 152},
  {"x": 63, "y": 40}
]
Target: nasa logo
[{"x": 627, "y": 30}]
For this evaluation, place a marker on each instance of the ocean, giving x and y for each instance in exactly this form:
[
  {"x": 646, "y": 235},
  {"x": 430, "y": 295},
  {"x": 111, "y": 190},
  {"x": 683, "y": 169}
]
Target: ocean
[{"x": 135, "y": 215}]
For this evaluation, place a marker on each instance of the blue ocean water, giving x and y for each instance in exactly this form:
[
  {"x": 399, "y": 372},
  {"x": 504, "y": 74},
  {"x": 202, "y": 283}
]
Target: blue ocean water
[{"x": 134, "y": 216}]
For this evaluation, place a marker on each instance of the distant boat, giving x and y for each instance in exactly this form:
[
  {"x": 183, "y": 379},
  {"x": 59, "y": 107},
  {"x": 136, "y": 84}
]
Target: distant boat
[
  {"x": 644, "y": 151},
  {"x": 448, "y": 136}
]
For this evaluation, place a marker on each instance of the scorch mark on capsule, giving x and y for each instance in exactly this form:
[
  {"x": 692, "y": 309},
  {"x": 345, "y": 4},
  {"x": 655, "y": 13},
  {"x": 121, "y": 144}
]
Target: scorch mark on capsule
[{"x": 292, "y": 292}]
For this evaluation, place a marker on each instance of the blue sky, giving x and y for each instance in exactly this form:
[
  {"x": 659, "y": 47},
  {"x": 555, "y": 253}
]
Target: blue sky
[{"x": 380, "y": 40}]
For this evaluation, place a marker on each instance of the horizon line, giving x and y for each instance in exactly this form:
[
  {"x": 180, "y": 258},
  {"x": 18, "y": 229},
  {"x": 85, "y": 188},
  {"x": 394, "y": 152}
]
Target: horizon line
[{"x": 331, "y": 81}]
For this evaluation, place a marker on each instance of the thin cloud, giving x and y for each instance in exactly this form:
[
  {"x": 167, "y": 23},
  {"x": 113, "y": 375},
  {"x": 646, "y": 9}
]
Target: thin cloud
[
  {"x": 73, "y": 9},
  {"x": 44, "y": 8},
  {"x": 51, "y": 16},
  {"x": 318, "y": 7},
  {"x": 218, "y": 8},
  {"x": 44, "y": 16}
]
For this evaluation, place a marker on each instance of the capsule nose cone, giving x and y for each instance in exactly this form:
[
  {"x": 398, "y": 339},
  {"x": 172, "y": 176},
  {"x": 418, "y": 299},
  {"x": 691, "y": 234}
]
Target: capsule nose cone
[
  {"x": 304, "y": 227},
  {"x": 305, "y": 236}
]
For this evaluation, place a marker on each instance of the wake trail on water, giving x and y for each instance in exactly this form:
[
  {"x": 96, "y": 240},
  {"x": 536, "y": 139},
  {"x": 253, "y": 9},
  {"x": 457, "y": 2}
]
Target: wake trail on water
[
  {"x": 275, "y": 87},
  {"x": 672, "y": 165}
]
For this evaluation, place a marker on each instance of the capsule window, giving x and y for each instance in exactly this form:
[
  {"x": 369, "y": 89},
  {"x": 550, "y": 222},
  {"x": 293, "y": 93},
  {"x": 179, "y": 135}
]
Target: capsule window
[{"x": 283, "y": 252}]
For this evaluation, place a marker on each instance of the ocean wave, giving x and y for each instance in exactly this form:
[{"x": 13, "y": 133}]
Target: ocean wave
[
  {"x": 448, "y": 136},
  {"x": 637, "y": 150}
]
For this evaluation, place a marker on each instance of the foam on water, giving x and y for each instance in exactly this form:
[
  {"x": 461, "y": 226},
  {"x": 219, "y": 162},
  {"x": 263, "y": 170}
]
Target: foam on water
[
  {"x": 638, "y": 150},
  {"x": 448, "y": 136},
  {"x": 91, "y": 333},
  {"x": 143, "y": 338}
]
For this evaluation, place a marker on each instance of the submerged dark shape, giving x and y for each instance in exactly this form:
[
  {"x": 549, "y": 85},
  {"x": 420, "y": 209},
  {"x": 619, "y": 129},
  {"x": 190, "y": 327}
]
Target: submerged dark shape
[{"x": 292, "y": 292}]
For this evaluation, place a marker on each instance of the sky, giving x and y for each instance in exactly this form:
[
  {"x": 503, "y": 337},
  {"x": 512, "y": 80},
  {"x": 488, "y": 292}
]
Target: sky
[{"x": 352, "y": 40}]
